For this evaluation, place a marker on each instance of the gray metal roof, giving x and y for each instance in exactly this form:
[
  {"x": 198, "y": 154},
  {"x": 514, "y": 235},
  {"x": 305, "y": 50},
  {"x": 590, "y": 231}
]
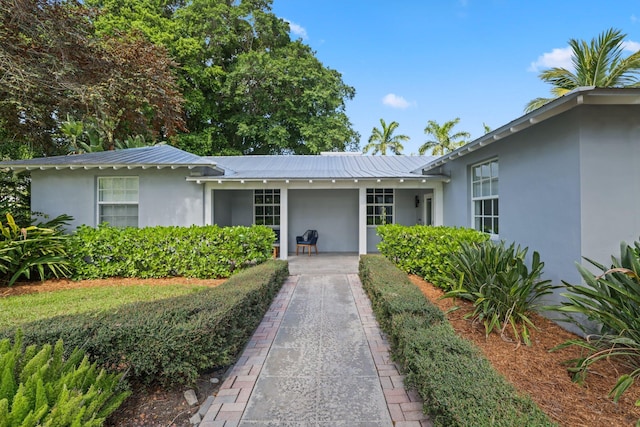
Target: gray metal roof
[
  {"x": 320, "y": 167},
  {"x": 158, "y": 156}
]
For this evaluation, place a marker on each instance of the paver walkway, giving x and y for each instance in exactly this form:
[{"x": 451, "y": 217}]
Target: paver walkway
[{"x": 317, "y": 359}]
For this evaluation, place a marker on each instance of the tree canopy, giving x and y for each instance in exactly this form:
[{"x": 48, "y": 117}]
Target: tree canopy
[
  {"x": 599, "y": 63},
  {"x": 382, "y": 139},
  {"x": 444, "y": 141},
  {"x": 54, "y": 66},
  {"x": 249, "y": 88}
]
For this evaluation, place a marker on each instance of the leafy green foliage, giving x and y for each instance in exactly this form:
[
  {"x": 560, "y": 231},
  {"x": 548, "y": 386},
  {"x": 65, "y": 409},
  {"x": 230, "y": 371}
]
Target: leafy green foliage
[
  {"x": 249, "y": 88},
  {"x": 35, "y": 249},
  {"x": 612, "y": 301},
  {"x": 500, "y": 285},
  {"x": 204, "y": 252},
  {"x": 425, "y": 250},
  {"x": 444, "y": 142},
  {"x": 40, "y": 387},
  {"x": 458, "y": 385},
  {"x": 170, "y": 341},
  {"x": 382, "y": 138}
]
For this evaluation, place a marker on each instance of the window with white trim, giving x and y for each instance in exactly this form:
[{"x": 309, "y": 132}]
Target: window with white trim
[
  {"x": 484, "y": 197},
  {"x": 379, "y": 206},
  {"x": 266, "y": 208},
  {"x": 118, "y": 200}
]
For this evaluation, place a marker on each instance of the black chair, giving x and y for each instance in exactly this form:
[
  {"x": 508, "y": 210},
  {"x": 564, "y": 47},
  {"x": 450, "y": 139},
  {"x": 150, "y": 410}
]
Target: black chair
[{"x": 308, "y": 240}]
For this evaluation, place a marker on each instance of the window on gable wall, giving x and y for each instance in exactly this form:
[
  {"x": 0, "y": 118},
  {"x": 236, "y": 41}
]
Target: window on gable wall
[
  {"x": 118, "y": 201},
  {"x": 379, "y": 206},
  {"x": 266, "y": 208},
  {"x": 484, "y": 197}
]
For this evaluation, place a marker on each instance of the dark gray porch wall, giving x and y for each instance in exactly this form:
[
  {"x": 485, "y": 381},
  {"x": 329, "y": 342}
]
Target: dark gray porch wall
[{"x": 233, "y": 207}]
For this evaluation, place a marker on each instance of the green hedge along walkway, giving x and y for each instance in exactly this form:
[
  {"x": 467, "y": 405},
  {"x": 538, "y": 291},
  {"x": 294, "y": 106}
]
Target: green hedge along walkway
[{"x": 317, "y": 359}]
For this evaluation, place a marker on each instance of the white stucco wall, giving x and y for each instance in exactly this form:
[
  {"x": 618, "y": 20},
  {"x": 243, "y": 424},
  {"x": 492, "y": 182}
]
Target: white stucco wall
[{"x": 165, "y": 197}]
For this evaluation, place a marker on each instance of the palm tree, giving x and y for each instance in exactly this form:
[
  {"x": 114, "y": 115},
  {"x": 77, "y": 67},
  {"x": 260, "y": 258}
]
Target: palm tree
[
  {"x": 382, "y": 139},
  {"x": 444, "y": 142},
  {"x": 598, "y": 63}
]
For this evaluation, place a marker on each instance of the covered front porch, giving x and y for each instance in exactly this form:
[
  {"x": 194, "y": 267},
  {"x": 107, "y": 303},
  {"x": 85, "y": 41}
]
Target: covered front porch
[{"x": 345, "y": 213}]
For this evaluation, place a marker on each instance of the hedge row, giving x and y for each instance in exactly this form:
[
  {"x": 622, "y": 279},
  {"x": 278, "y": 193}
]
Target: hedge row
[
  {"x": 170, "y": 341},
  {"x": 197, "y": 251},
  {"x": 459, "y": 386},
  {"x": 424, "y": 250}
]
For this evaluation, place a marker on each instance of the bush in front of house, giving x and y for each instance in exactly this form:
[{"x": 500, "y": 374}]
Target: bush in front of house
[
  {"x": 611, "y": 300},
  {"x": 503, "y": 289},
  {"x": 196, "y": 251},
  {"x": 38, "y": 386},
  {"x": 458, "y": 385},
  {"x": 424, "y": 250},
  {"x": 29, "y": 250},
  {"x": 170, "y": 341}
]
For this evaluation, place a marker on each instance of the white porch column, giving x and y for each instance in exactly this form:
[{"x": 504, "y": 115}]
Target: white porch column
[
  {"x": 362, "y": 221},
  {"x": 438, "y": 201},
  {"x": 208, "y": 204},
  {"x": 284, "y": 223}
]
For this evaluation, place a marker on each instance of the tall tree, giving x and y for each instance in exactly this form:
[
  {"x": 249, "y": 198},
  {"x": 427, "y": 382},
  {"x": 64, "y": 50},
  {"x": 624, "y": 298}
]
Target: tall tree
[
  {"x": 249, "y": 88},
  {"x": 598, "y": 63},
  {"x": 382, "y": 139},
  {"x": 444, "y": 141},
  {"x": 53, "y": 66}
]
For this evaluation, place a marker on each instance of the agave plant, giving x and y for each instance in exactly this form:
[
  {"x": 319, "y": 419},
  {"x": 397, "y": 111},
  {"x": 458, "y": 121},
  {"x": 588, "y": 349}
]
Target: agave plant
[
  {"x": 612, "y": 301},
  {"x": 501, "y": 286}
]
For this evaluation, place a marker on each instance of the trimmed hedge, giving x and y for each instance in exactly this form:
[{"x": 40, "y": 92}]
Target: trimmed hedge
[
  {"x": 170, "y": 341},
  {"x": 459, "y": 386},
  {"x": 424, "y": 250},
  {"x": 196, "y": 251}
]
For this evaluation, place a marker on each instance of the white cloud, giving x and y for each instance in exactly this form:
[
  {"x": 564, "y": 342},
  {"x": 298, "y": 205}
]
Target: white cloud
[
  {"x": 556, "y": 58},
  {"x": 395, "y": 101},
  {"x": 297, "y": 29},
  {"x": 631, "y": 46},
  {"x": 634, "y": 19}
]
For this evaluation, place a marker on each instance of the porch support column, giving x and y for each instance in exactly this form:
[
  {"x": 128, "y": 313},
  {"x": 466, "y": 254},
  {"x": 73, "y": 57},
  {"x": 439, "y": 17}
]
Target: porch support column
[
  {"x": 208, "y": 204},
  {"x": 438, "y": 201},
  {"x": 284, "y": 223},
  {"x": 362, "y": 221}
]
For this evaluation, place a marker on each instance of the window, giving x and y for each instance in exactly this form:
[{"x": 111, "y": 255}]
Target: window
[
  {"x": 266, "y": 207},
  {"x": 484, "y": 184},
  {"x": 379, "y": 206},
  {"x": 118, "y": 201}
]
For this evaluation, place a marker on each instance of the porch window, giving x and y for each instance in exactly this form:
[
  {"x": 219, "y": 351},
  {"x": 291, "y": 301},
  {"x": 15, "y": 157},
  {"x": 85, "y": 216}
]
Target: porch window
[
  {"x": 484, "y": 197},
  {"x": 266, "y": 207},
  {"x": 379, "y": 206},
  {"x": 118, "y": 201}
]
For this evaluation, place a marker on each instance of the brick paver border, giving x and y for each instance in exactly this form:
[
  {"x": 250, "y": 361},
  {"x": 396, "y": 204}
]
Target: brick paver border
[{"x": 227, "y": 407}]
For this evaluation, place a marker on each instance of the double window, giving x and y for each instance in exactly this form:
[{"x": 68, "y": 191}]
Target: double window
[
  {"x": 118, "y": 201},
  {"x": 379, "y": 206},
  {"x": 484, "y": 197},
  {"x": 266, "y": 207}
]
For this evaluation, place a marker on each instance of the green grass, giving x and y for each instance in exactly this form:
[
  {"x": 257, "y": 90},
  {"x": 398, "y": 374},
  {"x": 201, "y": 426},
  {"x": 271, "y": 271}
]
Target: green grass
[{"x": 27, "y": 308}]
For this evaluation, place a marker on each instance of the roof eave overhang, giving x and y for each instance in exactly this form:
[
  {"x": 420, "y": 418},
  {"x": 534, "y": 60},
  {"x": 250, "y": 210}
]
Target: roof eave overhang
[
  {"x": 580, "y": 96},
  {"x": 223, "y": 179},
  {"x": 36, "y": 167}
]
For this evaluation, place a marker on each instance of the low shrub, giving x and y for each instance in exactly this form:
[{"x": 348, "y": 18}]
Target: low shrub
[
  {"x": 424, "y": 250},
  {"x": 39, "y": 387},
  {"x": 459, "y": 386},
  {"x": 30, "y": 250},
  {"x": 197, "y": 251},
  {"x": 612, "y": 301},
  {"x": 170, "y": 341},
  {"x": 503, "y": 289}
]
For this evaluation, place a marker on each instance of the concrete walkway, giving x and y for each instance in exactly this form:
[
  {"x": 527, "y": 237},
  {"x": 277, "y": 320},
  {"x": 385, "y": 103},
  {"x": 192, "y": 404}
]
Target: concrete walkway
[{"x": 317, "y": 359}]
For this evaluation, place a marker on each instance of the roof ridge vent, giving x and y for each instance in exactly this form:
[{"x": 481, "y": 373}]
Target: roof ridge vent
[{"x": 340, "y": 153}]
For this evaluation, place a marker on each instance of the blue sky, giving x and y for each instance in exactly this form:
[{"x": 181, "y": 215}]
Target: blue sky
[{"x": 412, "y": 61}]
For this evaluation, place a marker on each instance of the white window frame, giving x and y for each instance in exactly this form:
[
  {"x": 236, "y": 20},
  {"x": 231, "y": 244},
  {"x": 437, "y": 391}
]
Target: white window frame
[
  {"x": 488, "y": 201},
  {"x": 371, "y": 206},
  {"x": 101, "y": 203},
  {"x": 273, "y": 192}
]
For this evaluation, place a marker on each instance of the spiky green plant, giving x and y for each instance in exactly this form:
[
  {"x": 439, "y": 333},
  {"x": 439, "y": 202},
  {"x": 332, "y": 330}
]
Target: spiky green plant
[
  {"x": 612, "y": 301},
  {"x": 503, "y": 289}
]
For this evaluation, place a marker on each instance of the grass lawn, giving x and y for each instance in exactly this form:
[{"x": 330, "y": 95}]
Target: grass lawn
[{"x": 15, "y": 310}]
